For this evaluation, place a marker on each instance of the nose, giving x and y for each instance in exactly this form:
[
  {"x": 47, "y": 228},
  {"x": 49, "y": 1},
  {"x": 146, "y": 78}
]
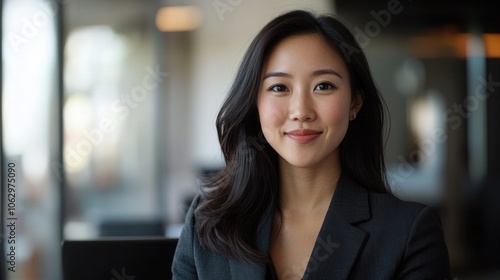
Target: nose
[{"x": 302, "y": 107}]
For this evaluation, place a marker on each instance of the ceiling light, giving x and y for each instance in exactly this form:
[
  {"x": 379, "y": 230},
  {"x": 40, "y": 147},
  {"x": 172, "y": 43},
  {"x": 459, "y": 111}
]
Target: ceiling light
[{"x": 178, "y": 18}]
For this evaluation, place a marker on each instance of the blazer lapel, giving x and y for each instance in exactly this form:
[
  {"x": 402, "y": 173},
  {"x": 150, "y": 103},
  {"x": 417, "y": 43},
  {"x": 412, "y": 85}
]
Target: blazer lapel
[
  {"x": 337, "y": 246},
  {"x": 339, "y": 242},
  {"x": 244, "y": 271}
]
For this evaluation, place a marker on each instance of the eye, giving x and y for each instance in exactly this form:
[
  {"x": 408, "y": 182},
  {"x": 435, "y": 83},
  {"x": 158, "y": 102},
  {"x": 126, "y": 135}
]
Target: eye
[
  {"x": 324, "y": 86},
  {"x": 278, "y": 88}
]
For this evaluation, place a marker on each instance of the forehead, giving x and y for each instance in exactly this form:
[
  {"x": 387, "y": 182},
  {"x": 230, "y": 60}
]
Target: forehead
[{"x": 304, "y": 53}]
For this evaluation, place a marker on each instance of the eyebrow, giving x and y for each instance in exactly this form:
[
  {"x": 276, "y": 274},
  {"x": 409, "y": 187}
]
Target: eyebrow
[
  {"x": 315, "y": 73},
  {"x": 327, "y": 72},
  {"x": 276, "y": 74}
]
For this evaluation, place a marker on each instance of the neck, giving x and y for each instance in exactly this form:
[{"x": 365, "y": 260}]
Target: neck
[{"x": 307, "y": 189}]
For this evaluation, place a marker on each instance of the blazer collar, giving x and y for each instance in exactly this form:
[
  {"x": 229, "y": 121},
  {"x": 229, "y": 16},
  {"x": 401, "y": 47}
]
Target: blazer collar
[
  {"x": 338, "y": 244},
  {"x": 350, "y": 201}
]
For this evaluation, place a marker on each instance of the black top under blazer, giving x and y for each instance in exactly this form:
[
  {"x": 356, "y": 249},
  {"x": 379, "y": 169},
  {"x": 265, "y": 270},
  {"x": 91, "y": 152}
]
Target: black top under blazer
[{"x": 365, "y": 235}]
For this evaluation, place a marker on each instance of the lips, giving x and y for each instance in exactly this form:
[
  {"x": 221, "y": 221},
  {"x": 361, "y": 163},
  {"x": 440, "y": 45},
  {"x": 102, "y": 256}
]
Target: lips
[{"x": 303, "y": 136}]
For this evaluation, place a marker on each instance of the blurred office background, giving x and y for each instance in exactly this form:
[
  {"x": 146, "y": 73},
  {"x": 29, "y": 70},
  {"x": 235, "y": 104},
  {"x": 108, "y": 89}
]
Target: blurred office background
[{"x": 108, "y": 111}]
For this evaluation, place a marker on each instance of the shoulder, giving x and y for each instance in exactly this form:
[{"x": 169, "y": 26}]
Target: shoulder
[
  {"x": 189, "y": 219},
  {"x": 382, "y": 214},
  {"x": 408, "y": 232},
  {"x": 389, "y": 204},
  {"x": 193, "y": 261},
  {"x": 189, "y": 236},
  {"x": 389, "y": 212},
  {"x": 354, "y": 199}
]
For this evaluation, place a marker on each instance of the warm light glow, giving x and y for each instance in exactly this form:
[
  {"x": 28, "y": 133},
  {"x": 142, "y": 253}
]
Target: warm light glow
[
  {"x": 439, "y": 45},
  {"x": 178, "y": 18},
  {"x": 492, "y": 45},
  {"x": 452, "y": 44}
]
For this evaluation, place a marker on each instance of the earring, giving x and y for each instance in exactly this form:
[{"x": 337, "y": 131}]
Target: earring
[{"x": 353, "y": 117}]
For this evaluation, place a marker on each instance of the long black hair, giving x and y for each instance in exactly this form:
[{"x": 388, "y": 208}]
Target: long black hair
[{"x": 234, "y": 200}]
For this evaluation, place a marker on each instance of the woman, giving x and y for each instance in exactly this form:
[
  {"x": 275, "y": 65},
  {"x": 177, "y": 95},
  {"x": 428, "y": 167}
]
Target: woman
[{"x": 303, "y": 194}]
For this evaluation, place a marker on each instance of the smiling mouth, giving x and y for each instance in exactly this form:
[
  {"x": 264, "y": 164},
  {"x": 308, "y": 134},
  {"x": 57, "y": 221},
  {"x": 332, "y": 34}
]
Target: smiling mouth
[{"x": 303, "y": 136}]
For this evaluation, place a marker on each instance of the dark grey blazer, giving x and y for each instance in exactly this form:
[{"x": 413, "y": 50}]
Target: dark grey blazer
[{"x": 365, "y": 235}]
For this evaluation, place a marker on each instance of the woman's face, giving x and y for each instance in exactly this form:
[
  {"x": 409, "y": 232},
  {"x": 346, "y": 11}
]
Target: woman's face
[{"x": 304, "y": 101}]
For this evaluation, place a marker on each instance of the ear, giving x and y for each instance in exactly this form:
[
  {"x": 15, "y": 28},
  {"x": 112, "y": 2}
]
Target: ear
[{"x": 356, "y": 104}]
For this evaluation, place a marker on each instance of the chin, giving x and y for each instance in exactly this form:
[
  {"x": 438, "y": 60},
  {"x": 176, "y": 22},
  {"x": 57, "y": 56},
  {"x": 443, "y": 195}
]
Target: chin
[{"x": 300, "y": 162}]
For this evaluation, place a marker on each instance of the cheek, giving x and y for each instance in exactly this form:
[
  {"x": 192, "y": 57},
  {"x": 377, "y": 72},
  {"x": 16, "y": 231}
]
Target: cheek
[
  {"x": 270, "y": 114},
  {"x": 272, "y": 117},
  {"x": 336, "y": 113}
]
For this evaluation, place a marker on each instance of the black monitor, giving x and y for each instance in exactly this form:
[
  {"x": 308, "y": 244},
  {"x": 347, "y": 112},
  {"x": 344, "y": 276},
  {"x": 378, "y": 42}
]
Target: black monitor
[{"x": 118, "y": 258}]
